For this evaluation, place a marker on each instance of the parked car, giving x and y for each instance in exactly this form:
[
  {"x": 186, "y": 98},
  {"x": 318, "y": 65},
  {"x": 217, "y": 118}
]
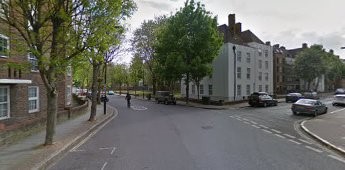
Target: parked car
[
  {"x": 165, "y": 97},
  {"x": 111, "y": 92},
  {"x": 339, "y": 99},
  {"x": 261, "y": 99},
  {"x": 293, "y": 97},
  {"x": 308, "y": 106},
  {"x": 310, "y": 95},
  {"x": 340, "y": 91}
]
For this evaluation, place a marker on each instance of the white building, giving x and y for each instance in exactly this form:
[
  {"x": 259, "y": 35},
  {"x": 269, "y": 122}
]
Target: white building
[{"x": 252, "y": 71}]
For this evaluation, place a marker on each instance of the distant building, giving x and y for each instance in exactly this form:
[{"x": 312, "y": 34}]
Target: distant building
[{"x": 230, "y": 80}]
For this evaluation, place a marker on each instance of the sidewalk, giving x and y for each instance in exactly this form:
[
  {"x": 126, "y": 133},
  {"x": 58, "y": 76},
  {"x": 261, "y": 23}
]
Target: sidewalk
[
  {"x": 328, "y": 129},
  {"x": 29, "y": 153}
]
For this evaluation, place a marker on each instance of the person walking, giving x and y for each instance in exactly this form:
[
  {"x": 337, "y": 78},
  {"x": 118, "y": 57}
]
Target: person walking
[{"x": 128, "y": 98}]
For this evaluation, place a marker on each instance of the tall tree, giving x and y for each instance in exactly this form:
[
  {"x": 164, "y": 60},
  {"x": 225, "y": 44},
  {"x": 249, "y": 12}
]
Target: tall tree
[
  {"x": 309, "y": 64},
  {"x": 190, "y": 36},
  {"x": 136, "y": 71},
  {"x": 143, "y": 45}
]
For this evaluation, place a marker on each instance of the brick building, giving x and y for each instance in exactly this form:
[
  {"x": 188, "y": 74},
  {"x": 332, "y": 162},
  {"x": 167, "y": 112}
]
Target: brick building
[{"x": 22, "y": 92}]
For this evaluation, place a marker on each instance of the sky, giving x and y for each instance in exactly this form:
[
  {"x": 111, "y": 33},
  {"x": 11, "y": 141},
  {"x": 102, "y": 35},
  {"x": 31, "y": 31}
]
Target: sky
[{"x": 288, "y": 23}]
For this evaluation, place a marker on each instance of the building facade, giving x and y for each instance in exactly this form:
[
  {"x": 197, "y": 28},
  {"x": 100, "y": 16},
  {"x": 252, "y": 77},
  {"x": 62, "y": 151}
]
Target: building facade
[
  {"x": 22, "y": 92},
  {"x": 244, "y": 66}
]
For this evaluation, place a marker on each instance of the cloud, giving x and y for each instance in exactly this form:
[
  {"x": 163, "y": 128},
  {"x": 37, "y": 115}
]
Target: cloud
[{"x": 158, "y": 5}]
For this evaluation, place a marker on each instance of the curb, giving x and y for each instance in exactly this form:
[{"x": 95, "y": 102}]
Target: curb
[
  {"x": 53, "y": 158},
  {"x": 321, "y": 140}
]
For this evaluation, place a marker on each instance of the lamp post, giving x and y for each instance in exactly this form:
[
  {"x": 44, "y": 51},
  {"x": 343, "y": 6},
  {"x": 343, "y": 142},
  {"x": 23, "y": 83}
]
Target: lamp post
[
  {"x": 234, "y": 50},
  {"x": 143, "y": 79},
  {"x": 105, "y": 88}
]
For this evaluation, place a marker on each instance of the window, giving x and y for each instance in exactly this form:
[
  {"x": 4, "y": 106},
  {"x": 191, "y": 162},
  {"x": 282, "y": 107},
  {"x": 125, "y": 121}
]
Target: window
[
  {"x": 266, "y": 65},
  {"x": 3, "y": 12},
  {"x": 239, "y": 56},
  {"x": 266, "y": 76},
  {"x": 4, "y": 46},
  {"x": 248, "y": 73},
  {"x": 210, "y": 89},
  {"x": 266, "y": 53},
  {"x": 260, "y": 63},
  {"x": 4, "y": 102},
  {"x": 248, "y": 57},
  {"x": 280, "y": 69},
  {"x": 201, "y": 89},
  {"x": 260, "y": 87},
  {"x": 193, "y": 89},
  {"x": 33, "y": 61},
  {"x": 260, "y": 52},
  {"x": 239, "y": 72},
  {"x": 69, "y": 71},
  {"x": 239, "y": 90},
  {"x": 68, "y": 95},
  {"x": 248, "y": 90},
  {"x": 266, "y": 88},
  {"x": 260, "y": 75},
  {"x": 33, "y": 94}
]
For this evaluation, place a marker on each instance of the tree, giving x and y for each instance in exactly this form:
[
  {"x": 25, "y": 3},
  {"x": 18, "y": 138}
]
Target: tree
[
  {"x": 119, "y": 75},
  {"x": 190, "y": 36},
  {"x": 309, "y": 64},
  {"x": 334, "y": 69},
  {"x": 136, "y": 71},
  {"x": 143, "y": 45}
]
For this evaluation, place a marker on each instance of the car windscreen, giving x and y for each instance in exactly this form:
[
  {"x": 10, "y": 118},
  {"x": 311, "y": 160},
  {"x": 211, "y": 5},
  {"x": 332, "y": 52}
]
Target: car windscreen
[{"x": 306, "y": 102}]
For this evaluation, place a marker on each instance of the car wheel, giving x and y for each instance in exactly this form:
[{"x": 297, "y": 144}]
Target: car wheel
[
  {"x": 334, "y": 104},
  {"x": 325, "y": 111},
  {"x": 294, "y": 113},
  {"x": 315, "y": 113},
  {"x": 174, "y": 103},
  {"x": 166, "y": 102},
  {"x": 265, "y": 104}
]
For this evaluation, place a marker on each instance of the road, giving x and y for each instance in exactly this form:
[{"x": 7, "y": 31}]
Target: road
[{"x": 153, "y": 136}]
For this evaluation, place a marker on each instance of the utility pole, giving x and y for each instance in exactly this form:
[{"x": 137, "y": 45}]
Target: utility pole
[
  {"x": 105, "y": 89},
  {"x": 234, "y": 50}
]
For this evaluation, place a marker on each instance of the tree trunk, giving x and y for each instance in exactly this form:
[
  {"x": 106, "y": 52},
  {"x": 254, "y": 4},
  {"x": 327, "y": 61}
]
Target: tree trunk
[
  {"x": 308, "y": 87},
  {"x": 51, "y": 116},
  {"x": 198, "y": 88},
  {"x": 317, "y": 84},
  {"x": 94, "y": 89},
  {"x": 187, "y": 88},
  {"x": 154, "y": 84}
]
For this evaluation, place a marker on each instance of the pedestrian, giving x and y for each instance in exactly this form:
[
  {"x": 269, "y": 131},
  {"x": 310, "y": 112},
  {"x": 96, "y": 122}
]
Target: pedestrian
[{"x": 128, "y": 98}]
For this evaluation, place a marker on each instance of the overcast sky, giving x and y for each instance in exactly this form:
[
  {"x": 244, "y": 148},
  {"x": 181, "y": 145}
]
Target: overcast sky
[{"x": 286, "y": 22}]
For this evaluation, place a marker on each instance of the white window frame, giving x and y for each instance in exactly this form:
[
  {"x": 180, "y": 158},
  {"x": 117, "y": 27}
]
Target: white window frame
[
  {"x": 260, "y": 64},
  {"x": 239, "y": 56},
  {"x": 248, "y": 89},
  {"x": 260, "y": 88},
  {"x": 239, "y": 90},
  {"x": 68, "y": 95},
  {"x": 266, "y": 65},
  {"x": 210, "y": 89},
  {"x": 266, "y": 88},
  {"x": 1, "y": 11},
  {"x": 201, "y": 86},
  {"x": 266, "y": 76},
  {"x": 248, "y": 58},
  {"x": 8, "y": 103},
  {"x": 248, "y": 73},
  {"x": 239, "y": 72},
  {"x": 37, "y": 98},
  {"x": 260, "y": 76},
  {"x": 30, "y": 58},
  {"x": 8, "y": 45}
]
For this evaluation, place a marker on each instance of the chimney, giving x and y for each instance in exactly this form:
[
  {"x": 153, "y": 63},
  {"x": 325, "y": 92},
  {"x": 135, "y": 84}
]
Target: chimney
[
  {"x": 231, "y": 20},
  {"x": 276, "y": 45},
  {"x": 304, "y": 45},
  {"x": 331, "y": 51},
  {"x": 268, "y": 43},
  {"x": 282, "y": 47},
  {"x": 238, "y": 28}
]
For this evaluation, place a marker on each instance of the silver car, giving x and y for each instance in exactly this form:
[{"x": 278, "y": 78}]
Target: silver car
[{"x": 339, "y": 99}]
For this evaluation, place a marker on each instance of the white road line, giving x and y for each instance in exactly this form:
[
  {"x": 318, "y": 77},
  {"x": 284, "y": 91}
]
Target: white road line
[
  {"x": 337, "y": 158},
  {"x": 246, "y": 122},
  {"x": 277, "y": 131},
  {"x": 266, "y": 131},
  {"x": 245, "y": 119},
  {"x": 280, "y": 136},
  {"x": 338, "y": 110},
  {"x": 263, "y": 126},
  {"x": 77, "y": 150},
  {"x": 302, "y": 140},
  {"x": 104, "y": 148},
  {"x": 313, "y": 149},
  {"x": 231, "y": 116},
  {"x": 256, "y": 126},
  {"x": 293, "y": 141},
  {"x": 105, "y": 164},
  {"x": 239, "y": 119},
  {"x": 112, "y": 151},
  {"x": 254, "y": 122},
  {"x": 290, "y": 136}
]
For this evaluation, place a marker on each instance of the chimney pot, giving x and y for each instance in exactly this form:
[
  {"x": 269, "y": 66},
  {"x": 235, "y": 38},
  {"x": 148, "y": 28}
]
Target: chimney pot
[
  {"x": 268, "y": 43},
  {"x": 304, "y": 45}
]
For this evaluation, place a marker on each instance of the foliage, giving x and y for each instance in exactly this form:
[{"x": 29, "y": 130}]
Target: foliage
[
  {"x": 136, "y": 70},
  {"x": 190, "y": 38}
]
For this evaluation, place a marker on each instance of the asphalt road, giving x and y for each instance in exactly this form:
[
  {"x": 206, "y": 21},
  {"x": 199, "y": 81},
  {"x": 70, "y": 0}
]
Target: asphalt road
[{"x": 167, "y": 137}]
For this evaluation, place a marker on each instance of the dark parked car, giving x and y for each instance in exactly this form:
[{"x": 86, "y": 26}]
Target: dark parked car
[
  {"x": 261, "y": 99},
  {"x": 340, "y": 91},
  {"x": 165, "y": 97},
  {"x": 310, "y": 95},
  {"x": 293, "y": 97},
  {"x": 308, "y": 106}
]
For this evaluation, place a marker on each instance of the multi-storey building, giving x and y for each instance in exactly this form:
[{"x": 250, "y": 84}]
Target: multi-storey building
[
  {"x": 244, "y": 65},
  {"x": 22, "y": 92}
]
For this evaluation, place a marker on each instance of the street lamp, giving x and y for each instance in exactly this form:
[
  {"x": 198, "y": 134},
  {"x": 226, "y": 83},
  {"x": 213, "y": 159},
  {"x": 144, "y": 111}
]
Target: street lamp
[
  {"x": 234, "y": 50},
  {"x": 342, "y": 48}
]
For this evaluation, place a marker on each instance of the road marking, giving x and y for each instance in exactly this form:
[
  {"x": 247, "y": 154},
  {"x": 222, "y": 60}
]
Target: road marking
[
  {"x": 302, "y": 140},
  {"x": 245, "y": 119},
  {"x": 239, "y": 119},
  {"x": 280, "y": 136},
  {"x": 256, "y": 126},
  {"x": 254, "y": 122},
  {"x": 104, "y": 148},
  {"x": 81, "y": 150},
  {"x": 263, "y": 126},
  {"x": 337, "y": 158},
  {"x": 231, "y": 116},
  {"x": 290, "y": 136},
  {"x": 342, "y": 137},
  {"x": 277, "y": 131},
  {"x": 266, "y": 131},
  {"x": 338, "y": 110},
  {"x": 112, "y": 151},
  {"x": 313, "y": 149},
  {"x": 105, "y": 164},
  {"x": 293, "y": 141},
  {"x": 246, "y": 122},
  {"x": 138, "y": 108}
]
